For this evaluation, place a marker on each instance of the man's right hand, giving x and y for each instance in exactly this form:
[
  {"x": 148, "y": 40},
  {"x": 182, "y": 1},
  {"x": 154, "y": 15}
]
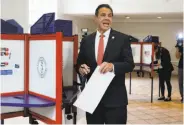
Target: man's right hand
[
  {"x": 84, "y": 69},
  {"x": 153, "y": 74}
]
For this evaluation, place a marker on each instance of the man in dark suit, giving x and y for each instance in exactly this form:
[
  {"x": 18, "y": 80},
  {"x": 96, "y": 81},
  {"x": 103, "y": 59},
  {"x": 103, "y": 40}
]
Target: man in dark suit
[
  {"x": 179, "y": 55},
  {"x": 112, "y": 52},
  {"x": 165, "y": 69}
]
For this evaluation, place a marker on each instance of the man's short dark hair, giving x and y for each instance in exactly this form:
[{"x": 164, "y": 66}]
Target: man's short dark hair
[{"x": 101, "y": 6}]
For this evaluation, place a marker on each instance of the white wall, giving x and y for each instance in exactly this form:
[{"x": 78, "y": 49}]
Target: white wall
[
  {"x": 147, "y": 6},
  {"x": 124, "y": 6},
  {"x": 79, "y": 23},
  {"x": 84, "y": 23},
  {"x": 166, "y": 31},
  {"x": 39, "y": 7},
  {"x": 16, "y": 9}
]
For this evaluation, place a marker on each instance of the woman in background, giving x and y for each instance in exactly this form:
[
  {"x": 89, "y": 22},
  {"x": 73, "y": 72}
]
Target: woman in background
[{"x": 165, "y": 69}]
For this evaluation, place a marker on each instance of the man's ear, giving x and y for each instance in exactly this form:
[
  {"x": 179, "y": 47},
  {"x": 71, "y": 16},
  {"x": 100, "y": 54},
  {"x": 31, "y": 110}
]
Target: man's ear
[{"x": 95, "y": 19}]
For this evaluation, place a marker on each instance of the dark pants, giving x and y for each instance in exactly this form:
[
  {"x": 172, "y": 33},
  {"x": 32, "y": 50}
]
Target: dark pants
[
  {"x": 165, "y": 76},
  {"x": 180, "y": 81},
  {"x": 108, "y": 115}
]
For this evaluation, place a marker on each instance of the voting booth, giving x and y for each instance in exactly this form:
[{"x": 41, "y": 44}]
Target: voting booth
[
  {"x": 136, "y": 53},
  {"x": 36, "y": 70},
  {"x": 143, "y": 55},
  {"x": 12, "y": 72}
]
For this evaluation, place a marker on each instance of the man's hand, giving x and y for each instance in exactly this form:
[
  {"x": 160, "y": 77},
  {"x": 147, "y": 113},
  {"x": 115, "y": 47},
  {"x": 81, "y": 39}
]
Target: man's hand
[
  {"x": 153, "y": 74},
  {"x": 84, "y": 69},
  {"x": 159, "y": 62},
  {"x": 106, "y": 67},
  {"x": 177, "y": 53}
]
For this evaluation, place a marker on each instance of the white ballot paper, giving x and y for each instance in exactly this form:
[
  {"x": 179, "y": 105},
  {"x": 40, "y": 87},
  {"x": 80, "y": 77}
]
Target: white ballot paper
[{"x": 94, "y": 90}]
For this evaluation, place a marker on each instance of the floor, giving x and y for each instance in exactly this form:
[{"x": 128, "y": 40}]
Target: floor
[{"x": 140, "y": 110}]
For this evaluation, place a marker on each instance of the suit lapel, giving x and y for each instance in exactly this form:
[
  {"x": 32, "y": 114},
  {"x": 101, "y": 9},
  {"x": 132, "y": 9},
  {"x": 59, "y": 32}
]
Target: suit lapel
[{"x": 109, "y": 44}]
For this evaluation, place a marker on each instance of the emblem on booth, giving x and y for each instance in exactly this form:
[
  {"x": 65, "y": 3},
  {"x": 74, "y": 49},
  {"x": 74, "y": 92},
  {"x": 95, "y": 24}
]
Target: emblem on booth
[{"x": 42, "y": 67}]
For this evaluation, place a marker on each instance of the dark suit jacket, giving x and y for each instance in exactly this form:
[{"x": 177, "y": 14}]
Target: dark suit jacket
[
  {"x": 118, "y": 52},
  {"x": 164, "y": 55}
]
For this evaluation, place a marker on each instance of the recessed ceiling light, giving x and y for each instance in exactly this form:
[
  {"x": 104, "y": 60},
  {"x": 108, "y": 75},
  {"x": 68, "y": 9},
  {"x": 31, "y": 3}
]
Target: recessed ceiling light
[
  {"x": 159, "y": 17},
  {"x": 127, "y": 17}
]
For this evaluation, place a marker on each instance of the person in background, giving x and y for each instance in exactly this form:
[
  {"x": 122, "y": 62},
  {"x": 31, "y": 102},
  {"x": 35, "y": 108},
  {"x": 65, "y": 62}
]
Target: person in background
[
  {"x": 179, "y": 55},
  {"x": 165, "y": 69},
  {"x": 110, "y": 50}
]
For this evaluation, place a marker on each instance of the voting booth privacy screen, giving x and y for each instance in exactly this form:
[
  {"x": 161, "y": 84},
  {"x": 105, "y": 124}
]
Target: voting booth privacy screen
[
  {"x": 147, "y": 57},
  {"x": 143, "y": 55},
  {"x": 33, "y": 69},
  {"x": 12, "y": 68},
  {"x": 136, "y": 52},
  {"x": 12, "y": 65},
  {"x": 42, "y": 73}
]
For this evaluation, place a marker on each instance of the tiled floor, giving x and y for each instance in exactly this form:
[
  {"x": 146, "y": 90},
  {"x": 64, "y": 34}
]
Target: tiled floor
[{"x": 140, "y": 110}]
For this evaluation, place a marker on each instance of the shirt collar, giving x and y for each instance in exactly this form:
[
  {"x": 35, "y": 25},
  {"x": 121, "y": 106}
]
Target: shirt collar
[{"x": 106, "y": 33}]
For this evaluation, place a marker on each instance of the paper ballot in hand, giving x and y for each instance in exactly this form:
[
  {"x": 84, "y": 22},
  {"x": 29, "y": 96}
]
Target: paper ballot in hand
[{"x": 94, "y": 90}]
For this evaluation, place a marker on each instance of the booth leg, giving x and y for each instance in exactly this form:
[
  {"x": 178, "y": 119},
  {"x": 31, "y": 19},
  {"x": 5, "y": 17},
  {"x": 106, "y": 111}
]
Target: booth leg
[
  {"x": 159, "y": 90},
  {"x": 130, "y": 83},
  {"x": 2, "y": 121},
  {"x": 32, "y": 120},
  {"x": 26, "y": 112},
  {"x": 151, "y": 89},
  {"x": 74, "y": 115},
  {"x": 74, "y": 118}
]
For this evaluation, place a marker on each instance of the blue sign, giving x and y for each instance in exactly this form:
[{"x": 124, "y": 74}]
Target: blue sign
[{"x": 6, "y": 72}]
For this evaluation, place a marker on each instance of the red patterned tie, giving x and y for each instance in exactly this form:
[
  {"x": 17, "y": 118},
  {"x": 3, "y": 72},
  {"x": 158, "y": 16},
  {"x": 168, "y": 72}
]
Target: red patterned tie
[{"x": 100, "y": 50}]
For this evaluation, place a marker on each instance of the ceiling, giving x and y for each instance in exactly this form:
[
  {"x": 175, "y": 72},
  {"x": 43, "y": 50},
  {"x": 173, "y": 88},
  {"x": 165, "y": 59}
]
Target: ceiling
[
  {"x": 168, "y": 16},
  {"x": 151, "y": 16}
]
